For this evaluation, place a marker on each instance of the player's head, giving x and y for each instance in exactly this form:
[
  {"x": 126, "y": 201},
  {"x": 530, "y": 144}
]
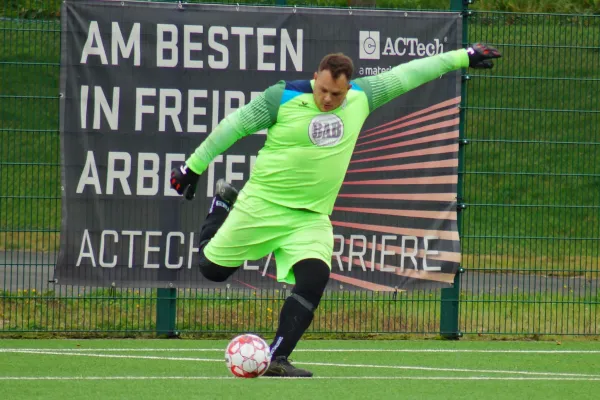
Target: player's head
[{"x": 332, "y": 81}]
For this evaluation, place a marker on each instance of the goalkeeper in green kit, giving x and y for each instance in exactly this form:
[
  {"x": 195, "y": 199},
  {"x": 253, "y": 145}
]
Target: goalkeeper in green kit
[{"x": 312, "y": 128}]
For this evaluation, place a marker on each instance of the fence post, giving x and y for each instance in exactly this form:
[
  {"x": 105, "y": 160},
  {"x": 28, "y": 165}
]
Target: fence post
[
  {"x": 166, "y": 309},
  {"x": 449, "y": 327}
]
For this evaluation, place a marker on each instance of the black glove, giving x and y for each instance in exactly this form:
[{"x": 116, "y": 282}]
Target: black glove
[
  {"x": 184, "y": 181},
  {"x": 480, "y": 55}
]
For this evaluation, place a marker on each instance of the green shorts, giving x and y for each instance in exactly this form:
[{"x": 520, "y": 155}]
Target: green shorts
[{"x": 256, "y": 227}]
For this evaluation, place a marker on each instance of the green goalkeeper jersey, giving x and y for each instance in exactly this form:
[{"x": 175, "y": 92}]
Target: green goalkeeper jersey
[{"x": 305, "y": 157}]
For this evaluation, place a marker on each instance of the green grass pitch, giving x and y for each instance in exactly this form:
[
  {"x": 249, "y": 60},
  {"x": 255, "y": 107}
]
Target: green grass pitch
[{"x": 195, "y": 369}]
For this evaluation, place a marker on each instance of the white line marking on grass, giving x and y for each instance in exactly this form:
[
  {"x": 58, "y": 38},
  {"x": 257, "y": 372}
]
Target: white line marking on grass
[
  {"x": 318, "y": 350},
  {"x": 389, "y": 378},
  {"x": 64, "y": 353},
  {"x": 401, "y": 367},
  {"x": 483, "y": 371}
]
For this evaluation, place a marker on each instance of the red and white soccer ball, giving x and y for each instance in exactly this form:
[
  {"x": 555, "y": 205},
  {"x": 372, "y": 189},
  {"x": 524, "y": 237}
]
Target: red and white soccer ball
[{"x": 247, "y": 356}]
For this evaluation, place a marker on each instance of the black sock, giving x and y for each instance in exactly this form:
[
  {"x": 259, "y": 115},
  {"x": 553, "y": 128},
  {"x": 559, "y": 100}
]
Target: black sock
[
  {"x": 294, "y": 320},
  {"x": 219, "y": 210},
  {"x": 298, "y": 310},
  {"x": 219, "y": 205}
]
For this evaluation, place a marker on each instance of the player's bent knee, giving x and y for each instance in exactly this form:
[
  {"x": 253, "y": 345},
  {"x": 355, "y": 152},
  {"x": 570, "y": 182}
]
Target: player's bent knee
[{"x": 214, "y": 272}]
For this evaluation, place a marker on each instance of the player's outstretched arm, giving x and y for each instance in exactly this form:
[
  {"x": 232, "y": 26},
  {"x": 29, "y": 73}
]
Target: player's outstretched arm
[
  {"x": 388, "y": 85},
  {"x": 259, "y": 114}
]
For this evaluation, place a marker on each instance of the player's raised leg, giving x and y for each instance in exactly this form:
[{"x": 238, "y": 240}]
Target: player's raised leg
[
  {"x": 222, "y": 203},
  {"x": 296, "y": 316}
]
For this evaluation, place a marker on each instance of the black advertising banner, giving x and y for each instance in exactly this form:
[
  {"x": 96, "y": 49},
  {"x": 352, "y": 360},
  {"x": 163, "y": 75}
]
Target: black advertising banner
[{"x": 143, "y": 84}]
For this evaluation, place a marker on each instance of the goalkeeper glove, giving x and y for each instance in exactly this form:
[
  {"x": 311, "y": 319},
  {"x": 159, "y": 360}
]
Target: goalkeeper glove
[
  {"x": 184, "y": 181},
  {"x": 480, "y": 55}
]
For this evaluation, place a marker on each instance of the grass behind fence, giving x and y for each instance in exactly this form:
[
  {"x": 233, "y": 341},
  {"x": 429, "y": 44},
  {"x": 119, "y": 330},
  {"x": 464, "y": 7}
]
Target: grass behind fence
[
  {"x": 130, "y": 312},
  {"x": 29, "y": 136},
  {"x": 531, "y": 179}
]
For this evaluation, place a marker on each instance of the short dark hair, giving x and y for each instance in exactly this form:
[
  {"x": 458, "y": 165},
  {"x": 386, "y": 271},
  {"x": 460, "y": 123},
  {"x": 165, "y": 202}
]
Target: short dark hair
[{"x": 337, "y": 64}]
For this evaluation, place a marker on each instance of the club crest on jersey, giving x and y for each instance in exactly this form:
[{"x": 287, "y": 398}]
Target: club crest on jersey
[{"x": 326, "y": 130}]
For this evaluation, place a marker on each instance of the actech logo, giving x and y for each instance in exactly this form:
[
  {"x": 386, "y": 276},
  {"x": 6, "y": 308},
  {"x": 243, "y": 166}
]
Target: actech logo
[
  {"x": 372, "y": 49},
  {"x": 369, "y": 45}
]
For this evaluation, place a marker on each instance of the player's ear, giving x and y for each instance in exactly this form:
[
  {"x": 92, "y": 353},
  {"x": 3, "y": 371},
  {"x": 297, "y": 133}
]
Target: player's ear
[{"x": 315, "y": 76}]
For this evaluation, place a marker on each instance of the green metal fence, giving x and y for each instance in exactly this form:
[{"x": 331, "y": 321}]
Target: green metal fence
[
  {"x": 531, "y": 181},
  {"x": 529, "y": 191}
]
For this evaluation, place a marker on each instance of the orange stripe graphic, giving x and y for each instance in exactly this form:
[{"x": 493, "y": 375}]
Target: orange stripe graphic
[
  {"x": 361, "y": 283},
  {"x": 416, "y": 130},
  {"x": 451, "y": 148},
  {"x": 429, "y": 180},
  {"x": 442, "y": 255},
  {"x": 450, "y": 197},
  {"x": 446, "y": 103},
  {"x": 423, "y": 165},
  {"x": 445, "y": 235},
  {"x": 427, "y": 139},
  {"x": 410, "y": 273},
  {"x": 446, "y": 215}
]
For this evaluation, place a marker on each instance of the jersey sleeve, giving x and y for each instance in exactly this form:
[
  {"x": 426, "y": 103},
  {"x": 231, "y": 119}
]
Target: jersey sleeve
[
  {"x": 259, "y": 114},
  {"x": 384, "y": 87}
]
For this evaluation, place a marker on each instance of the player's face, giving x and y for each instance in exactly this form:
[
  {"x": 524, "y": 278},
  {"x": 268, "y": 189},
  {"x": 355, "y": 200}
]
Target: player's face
[{"x": 329, "y": 93}]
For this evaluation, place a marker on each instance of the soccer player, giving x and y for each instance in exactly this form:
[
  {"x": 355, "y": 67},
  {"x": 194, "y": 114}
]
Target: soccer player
[{"x": 284, "y": 207}]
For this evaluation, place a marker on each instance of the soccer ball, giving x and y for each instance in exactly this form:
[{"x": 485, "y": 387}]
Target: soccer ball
[{"x": 247, "y": 356}]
